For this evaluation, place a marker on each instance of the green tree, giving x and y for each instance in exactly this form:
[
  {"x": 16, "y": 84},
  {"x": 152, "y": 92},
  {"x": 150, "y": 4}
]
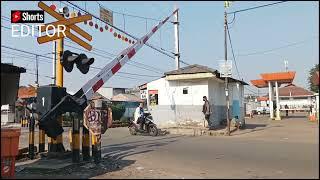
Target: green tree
[{"x": 312, "y": 71}]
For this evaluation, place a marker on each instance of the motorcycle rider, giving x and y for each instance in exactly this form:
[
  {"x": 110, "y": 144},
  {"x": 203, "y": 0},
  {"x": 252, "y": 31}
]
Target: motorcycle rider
[{"x": 138, "y": 116}]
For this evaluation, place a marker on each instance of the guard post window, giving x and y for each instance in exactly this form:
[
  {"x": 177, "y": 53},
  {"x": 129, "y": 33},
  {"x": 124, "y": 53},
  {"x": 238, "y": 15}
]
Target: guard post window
[{"x": 185, "y": 90}]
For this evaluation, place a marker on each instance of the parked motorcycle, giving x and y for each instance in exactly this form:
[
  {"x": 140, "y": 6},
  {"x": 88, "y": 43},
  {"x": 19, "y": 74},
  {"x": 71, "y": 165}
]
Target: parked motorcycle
[{"x": 149, "y": 128}]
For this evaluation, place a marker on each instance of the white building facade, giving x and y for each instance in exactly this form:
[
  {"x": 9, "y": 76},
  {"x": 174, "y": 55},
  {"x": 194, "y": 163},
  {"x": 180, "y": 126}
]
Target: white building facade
[
  {"x": 294, "y": 97},
  {"x": 176, "y": 99}
]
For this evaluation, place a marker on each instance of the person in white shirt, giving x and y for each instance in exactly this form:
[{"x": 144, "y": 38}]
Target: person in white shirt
[{"x": 138, "y": 115}]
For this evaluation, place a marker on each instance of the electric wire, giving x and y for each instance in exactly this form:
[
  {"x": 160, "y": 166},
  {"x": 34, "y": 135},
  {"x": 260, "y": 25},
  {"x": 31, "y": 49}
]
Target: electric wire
[
  {"x": 102, "y": 55},
  {"x": 256, "y": 7}
]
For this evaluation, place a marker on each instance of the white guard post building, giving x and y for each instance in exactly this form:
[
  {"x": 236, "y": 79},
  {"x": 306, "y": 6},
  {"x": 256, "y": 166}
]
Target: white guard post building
[{"x": 176, "y": 98}]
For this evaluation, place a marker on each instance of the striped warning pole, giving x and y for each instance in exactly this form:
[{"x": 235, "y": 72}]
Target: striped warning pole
[
  {"x": 93, "y": 147},
  {"x": 85, "y": 144},
  {"x": 49, "y": 144},
  {"x": 114, "y": 66},
  {"x": 75, "y": 138},
  {"x": 42, "y": 140},
  {"x": 42, "y": 137},
  {"x": 21, "y": 121},
  {"x": 31, "y": 133}
]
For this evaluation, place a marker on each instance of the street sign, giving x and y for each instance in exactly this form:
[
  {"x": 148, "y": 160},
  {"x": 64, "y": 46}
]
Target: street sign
[
  {"x": 91, "y": 120},
  {"x": 97, "y": 121},
  {"x": 225, "y": 68},
  {"x": 106, "y": 15},
  {"x": 69, "y": 24}
]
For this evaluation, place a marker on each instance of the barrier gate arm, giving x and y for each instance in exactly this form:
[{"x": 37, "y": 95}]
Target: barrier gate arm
[
  {"x": 114, "y": 66},
  {"x": 78, "y": 101}
]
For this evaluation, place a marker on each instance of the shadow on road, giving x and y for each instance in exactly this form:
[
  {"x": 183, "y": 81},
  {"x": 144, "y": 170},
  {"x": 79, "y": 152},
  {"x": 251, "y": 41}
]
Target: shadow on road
[
  {"x": 294, "y": 117},
  {"x": 119, "y": 151},
  {"x": 112, "y": 160},
  {"x": 153, "y": 140},
  {"x": 255, "y": 127}
]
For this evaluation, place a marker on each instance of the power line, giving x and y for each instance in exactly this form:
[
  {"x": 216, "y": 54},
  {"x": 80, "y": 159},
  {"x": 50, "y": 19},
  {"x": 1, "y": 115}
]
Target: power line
[
  {"x": 38, "y": 74},
  {"x": 88, "y": 51},
  {"x": 108, "y": 53},
  {"x": 117, "y": 75},
  {"x": 79, "y": 8},
  {"x": 256, "y": 7},
  {"x": 144, "y": 75},
  {"x": 94, "y": 49},
  {"x": 130, "y": 15},
  {"x": 250, "y": 90},
  {"x": 26, "y": 52},
  {"x": 152, "y": 46},
  {"x": 234, "y": 58},
  {"x": 23, "y": 57},
  {"x": 129, "y": 63},
  {"x": 160, "y": 70},
  {"x": 92, "y": 53},
  {"x": 277, "y": 48},
  {"x": 104, "y": 52}
]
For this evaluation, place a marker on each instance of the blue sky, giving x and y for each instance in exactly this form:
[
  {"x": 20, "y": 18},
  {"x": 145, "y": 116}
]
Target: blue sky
[{"x": 201, "y": 39}]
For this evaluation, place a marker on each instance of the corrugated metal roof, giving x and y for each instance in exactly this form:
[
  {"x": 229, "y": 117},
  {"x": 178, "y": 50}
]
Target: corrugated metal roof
[
  {"x": 126, "y": 98},
  {"x": 196, "y": 68},
  {"x": 8, "y": 68},
  {"x": 192, "y": 69},
  {"x": 295, "y": 91},
  {"x": 97, "y": 95}
]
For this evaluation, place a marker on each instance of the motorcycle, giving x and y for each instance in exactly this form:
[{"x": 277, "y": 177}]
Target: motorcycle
[{"x": 148, "y": 128}]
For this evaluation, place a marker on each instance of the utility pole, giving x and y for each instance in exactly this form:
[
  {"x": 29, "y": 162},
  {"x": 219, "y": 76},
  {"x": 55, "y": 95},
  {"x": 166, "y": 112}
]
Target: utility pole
[
  {"x": 176, "y": 39},
  {"x": 286, "y": 65},
  {"x": 37, "y": 71},
  {"x": 226, "y": 78},
  {"x": 54, "y": 57}
]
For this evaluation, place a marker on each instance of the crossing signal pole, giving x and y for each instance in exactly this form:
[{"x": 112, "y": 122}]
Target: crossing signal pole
[{"x": 57, "y": 144}]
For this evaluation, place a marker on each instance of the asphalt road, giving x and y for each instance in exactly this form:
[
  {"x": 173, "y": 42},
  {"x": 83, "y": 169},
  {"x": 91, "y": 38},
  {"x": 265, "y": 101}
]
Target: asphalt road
[{"x": 266, "y": 149}]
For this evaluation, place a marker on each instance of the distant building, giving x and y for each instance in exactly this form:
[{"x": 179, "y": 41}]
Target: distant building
[
  {"x": 130, "y": 101},
  {"x": 176, "y": 98},
  {"x": 293, "y": 96},
  {"x": 26, "y": 95},
  {"x": 109, "y": 92},
  {"x": 10, "y": 77}
]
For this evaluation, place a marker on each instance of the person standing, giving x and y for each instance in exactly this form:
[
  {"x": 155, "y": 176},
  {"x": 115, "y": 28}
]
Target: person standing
[
  {"x": 287, "y": 110},
  {"x": 206, "y": 110}
]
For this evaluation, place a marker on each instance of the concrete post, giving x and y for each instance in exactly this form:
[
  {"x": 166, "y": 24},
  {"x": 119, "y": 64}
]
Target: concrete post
[
  {"x": 278, "y": 103},
  {"x": 176, "y": 39},
  {"x": 271, "y": 100}
]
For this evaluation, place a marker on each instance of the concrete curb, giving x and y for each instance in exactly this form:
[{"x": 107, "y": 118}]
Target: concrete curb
[{"x": 196, "y": 131}]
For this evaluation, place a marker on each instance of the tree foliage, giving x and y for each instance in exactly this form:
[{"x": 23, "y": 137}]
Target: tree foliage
[{"x": 312, "y": 71}]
